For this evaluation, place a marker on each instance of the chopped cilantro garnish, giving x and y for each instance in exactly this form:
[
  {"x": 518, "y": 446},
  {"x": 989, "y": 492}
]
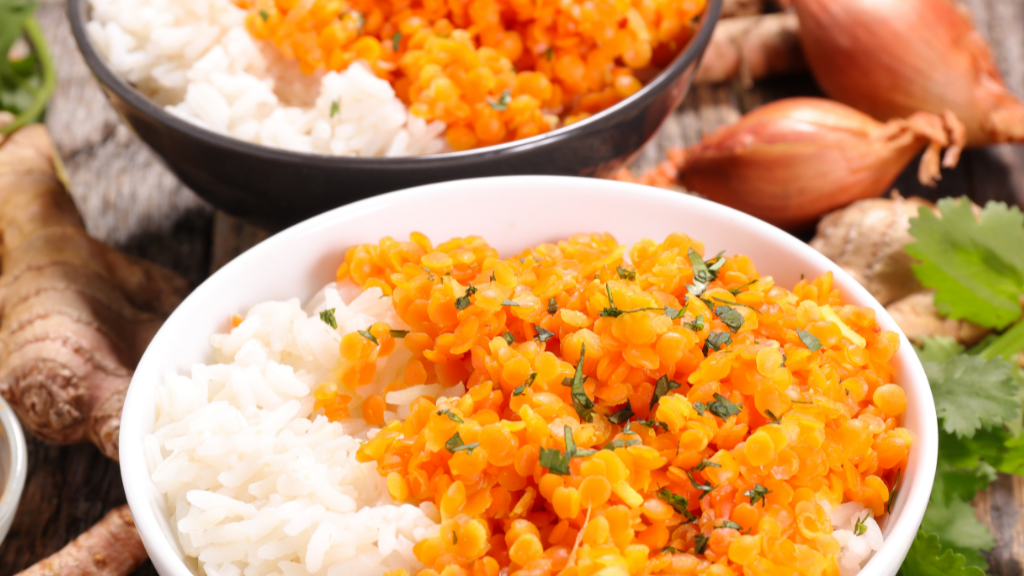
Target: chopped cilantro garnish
[
  {"x": 543, "y": 334},
  {"x": 859, "y": 528},
  {"x": 653, "y": 424},
  {"x": 549, "y": 53},
  {"x": 700, "y": 543},
  {"x": 773, "y": 419},
  {"x": 697, "y": 325},
  {"x": 398, "y": 333},
  {"x": 552, "y": 306},
  {"x": 626, "y": 274},
  {"x": 509, "y": 338},
  {"x": 729, "y": 524},
  {"x": 669, "y": 550},
  {"x": 451, "y": 415},
  {"x": 501, "y": 104},
  {"x": 335, "y": 108},
  {"x": 507, "y": 302},
  {"x": 621, "y": 415},
  {"x": 556, "y": 461},
  {"x": 622, "y": 443},
  {"x": 677, "y": 502},
  {"x": 705, "y": 488},
  {"x": 716, "y": 340},
  {"x": 264, "y": 15},
  {"x": 757, "y": 493},
  {"x": 809, "y": 340},
  {"x": 521, "y": 389},
  {"x": 703, "y": 274},
  {"x": 723, "y": 408},
  {"x": 396, "y": 41},
  {"x": 327, "y": 316},
  {"x": 611, "y": 311},
  {"x": 580, "y": 401},
  {"x": 706, "y": 464},
  {"x": 366, "y": 334},
  {"x": 455, "y": 537},
  {"x": 673, "y": 313},
  {"x": 736, "y": 291},
  {"x": 732, "y": 318},
  {"x": 462, "y": 302},
  {"x": 661, "y": 387},
  {"x": 455, "y": 444},
  {"x": 700, "y": 407}
]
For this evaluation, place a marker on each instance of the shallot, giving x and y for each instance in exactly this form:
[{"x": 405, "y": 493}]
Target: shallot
[{"x": 892, "y": 58}]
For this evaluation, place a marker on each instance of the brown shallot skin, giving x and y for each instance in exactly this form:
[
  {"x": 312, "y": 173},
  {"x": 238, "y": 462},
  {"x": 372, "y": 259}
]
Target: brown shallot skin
[
  {"x": 794, "y": 160},
  {"x": 75, "y": 314},
  {"x": 112, "y": 547},
  {"x": 892, "y": 58}
]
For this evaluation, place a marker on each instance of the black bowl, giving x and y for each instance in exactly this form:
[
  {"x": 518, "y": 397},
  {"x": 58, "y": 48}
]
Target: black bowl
[{"x": 276, "y": 188}]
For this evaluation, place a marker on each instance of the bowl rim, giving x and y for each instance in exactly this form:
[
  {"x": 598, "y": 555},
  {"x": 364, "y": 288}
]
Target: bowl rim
[
  {"x": 11, "y": 491},
  {"x": 76, "y": 11},
  {"x": 886, "y": 560}
]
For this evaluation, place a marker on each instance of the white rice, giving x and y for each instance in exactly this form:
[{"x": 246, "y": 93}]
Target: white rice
[
  {"x": 195, "y": 58},
  {"x": 255, "y": 483}
]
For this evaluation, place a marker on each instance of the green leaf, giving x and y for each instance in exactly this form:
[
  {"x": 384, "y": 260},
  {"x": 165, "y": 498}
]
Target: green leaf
[
  {"x": 501, "y": 104},
  {"x": 976, "y": 265},
  {"x": 552, "y": 306},
  {"x": 519, "y": 390},
  {"x": 677, "y": 502},
  {"x": 971, "y": 392},
  {"x": 958, "y": 529},
  {"x": 543, "y": 334},
  {"x": 451, "y": 416},
  {"x": 723, "y": 407},
  {"x": 556, "y": 461},
  {"x": 396, "y": 41},
  {"x": 757, "y": 493},
  {"x": 697, "y": 325},
  {"x": 732, "y": 318},
  {"x": 580, "y": 401},
  {"x": 700, "y": 543},
  {"x": 366, "y": 334},
  {"x": 621, "y": 415},
  {"x": 661, "y": 387},
  {"x": 507, "y": 302},
  {"x": 509, "y": 338},
  {"x": 327, "y": 316},
  {"x": 716, "y": 340},
  {"x": 729, "y": 524},
  {"x": 626, "y": 274},
  {"x": 927, "y": 557},
  {"x": 455, "y": 444},
  {"x": 809, "y": 340},
  {"x": 398, "y": 333},
  {"x": 462, "y": 302}
]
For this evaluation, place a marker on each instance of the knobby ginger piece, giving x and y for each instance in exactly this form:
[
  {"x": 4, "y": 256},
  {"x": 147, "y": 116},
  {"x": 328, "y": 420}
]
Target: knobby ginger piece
[
  {"x": 752, "y": 47},
  {"x": 75, "y": 314},
  {"x": 867, "y": 239},
  {"x": 917, "y": 316},
  {"x": 112, "y": 547}
]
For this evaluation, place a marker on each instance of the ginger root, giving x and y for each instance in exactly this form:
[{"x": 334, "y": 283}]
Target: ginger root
[
  {"x": 917, "y": 316},
  {"x": 751, "y": 48},
  {"x": 75, "y": 314},
  {"x": 112, "y": 547}
]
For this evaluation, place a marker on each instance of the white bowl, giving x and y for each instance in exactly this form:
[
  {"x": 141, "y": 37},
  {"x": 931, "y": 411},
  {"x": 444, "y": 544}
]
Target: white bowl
[
  {"x": 511, "y": 213},
  {"x": 13, "y": 466}
]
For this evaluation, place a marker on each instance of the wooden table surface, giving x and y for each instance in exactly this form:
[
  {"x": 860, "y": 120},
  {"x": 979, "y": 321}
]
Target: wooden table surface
[{"x": 128, "y": 199}]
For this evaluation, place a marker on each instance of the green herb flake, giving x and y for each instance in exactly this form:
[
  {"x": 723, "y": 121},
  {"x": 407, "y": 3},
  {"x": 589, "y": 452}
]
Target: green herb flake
[
  {"x": 327, "y": 317},
  {"x": 552, "y": 306},
  {"x": 697, "y": 325},
  {"x": 723, "y": 407},
  {"x": 521, "y": 389},
  {"x": 717, "y": 340},
  {"x": 661, "y": 387},
  {"x": 396, "y": 41},
  {"x": 621, "y": 415},
  {"x": 335, "y": 108},
  {"x": 700, "y": 407},
  {"x": 366, "y": 334},
  {"x": 462, "y": 302},
  {"x": 729, "y": 524},
  {"x": 700, "y": 543},
  {"x": 653, "y": 424},
  {"x": 549, "y": 53},
  {"x": 580, "y": 401},
  {"x": 452, "y": 416},
  {"x": 703, "y": 274},
  {"x": 398, "y": 333},
  {"x": 509, "y": 338},
  {"x": 264, "y": 15},
  {"x": 622, "y": 443},
  {"x": 859, "y": 528},
  {"x": 772, "y": 418},
  {"x": 678, "y": 503},
  {"x": 736, "y": 291},
  {"x": 809, "y": 340},
  {"x": 669, "y": 550},
  {"x": 732, "y": 318},
  {"x": 706, "y": 464},
  {"x": 543, "y": 334},
  {"x": 626, "y": 274},
  {"x": 501, "y": 104},
  {"x": 455, "y": 444},
  {"x": 705, "y": 488},
  {"x": 507, "y": 302},
  {"x": 757, "y": 494},
  {"x": 673, "y": 313}
]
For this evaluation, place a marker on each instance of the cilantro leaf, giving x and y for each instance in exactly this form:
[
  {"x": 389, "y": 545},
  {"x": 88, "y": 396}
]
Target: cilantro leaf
[
  {"x": 809, "y": 340},
  {"x": 580, "y": 401},
  {"x": 327, "y": 317},
  {"x": 859, "y": 527},
  {"x": 509, "y": 338},
  {"x": 706, "y": 464},
  {"x": 366, "y": 334},
  {"x": 958, "y": 529},
  {"x": 971, "y": 392},
  {"x": 661, "y": 387},
  {"x": 757, "y": 493},
  {"x": 507, "y": 302},
  {"x": 543, "y": 334},
  {"x": 626, "y": 274},
  {"x": 700, "y": 407},
  {"x": 700, "y": 543},
  {"x": 519, "y": 390},
  {"x": 621, "y": 415},
  {"x": 452, "y": 416},
  {"x": 556, "y": 461},
  {"x": 455, "y": 444},
  {"x": 398, "y": 333},
  {"x": 622, "y": 443},
  {"x": 653, "y": 424},
  {"x": 462, "y": 302},
  {"x": 729, "y": 524},
  {"x": 716, "y": 340},
  {"x": 723, "y": 407},
  {"x": 927, "y": 557},
  {"x": 975, "y": 264},
  {"x": 732, "y": 318},
  {"x": 501, "y": 104},
  {"x": 697, "y": 325},
  {"x": 705, "y": 488},
  {"x": 677, "y": 502}
]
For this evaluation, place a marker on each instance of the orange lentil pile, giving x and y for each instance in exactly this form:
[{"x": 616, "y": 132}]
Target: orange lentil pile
[
  {"x": 676, "y": 414},
  {"x": 492, "y": 70}
]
